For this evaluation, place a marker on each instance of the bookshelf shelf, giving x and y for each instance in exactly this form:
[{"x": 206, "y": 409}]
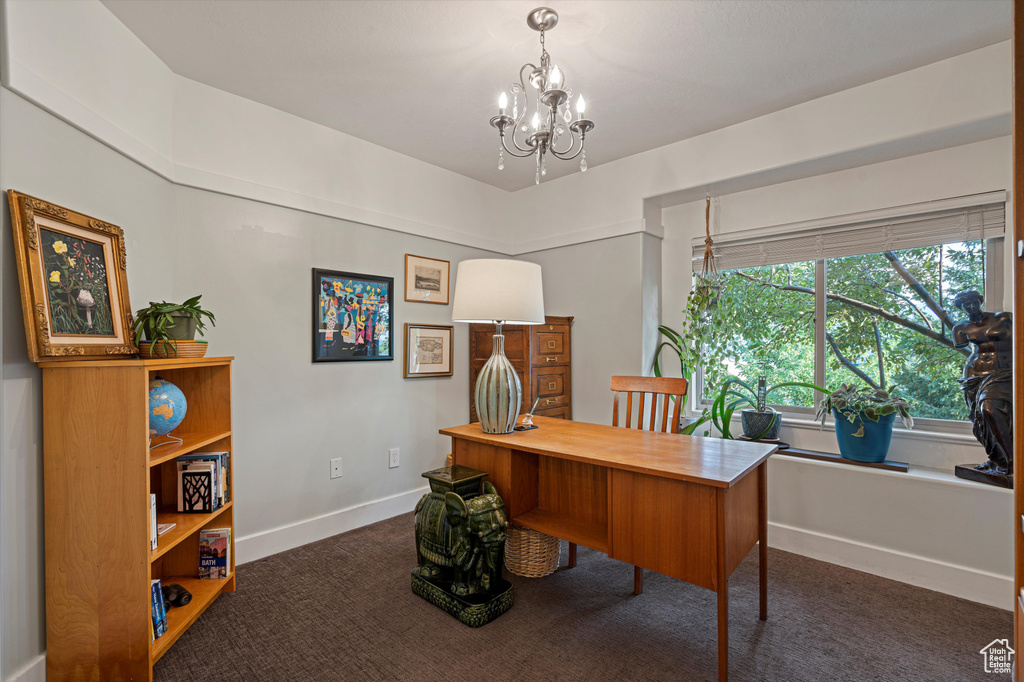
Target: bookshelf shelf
[
  {"x": 190, "y": 443},
  {"x": 185, "y": 526},
  {"x": 179, "y": 619},
  {"x": 99, "y": 473}
]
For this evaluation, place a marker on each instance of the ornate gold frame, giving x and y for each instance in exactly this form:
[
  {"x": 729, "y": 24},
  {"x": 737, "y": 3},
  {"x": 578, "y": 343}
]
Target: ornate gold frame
[{"x": 41, "y": 345}]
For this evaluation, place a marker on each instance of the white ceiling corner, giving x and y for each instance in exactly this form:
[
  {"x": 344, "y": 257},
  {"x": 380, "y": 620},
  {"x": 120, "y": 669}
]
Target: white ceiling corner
[{"x": 422, "y": 77}]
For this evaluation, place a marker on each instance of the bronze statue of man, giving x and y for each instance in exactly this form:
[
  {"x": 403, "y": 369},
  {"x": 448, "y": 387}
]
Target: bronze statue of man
[{"x": 988, "y": 386}]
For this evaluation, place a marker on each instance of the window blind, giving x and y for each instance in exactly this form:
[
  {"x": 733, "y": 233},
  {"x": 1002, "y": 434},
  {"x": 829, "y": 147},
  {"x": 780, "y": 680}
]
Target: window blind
[{"x": 851, "y": 238}]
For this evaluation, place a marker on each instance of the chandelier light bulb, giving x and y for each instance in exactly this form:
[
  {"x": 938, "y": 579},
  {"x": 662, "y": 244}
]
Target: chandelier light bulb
[
  {"x": 536, "y": 120},
  {"x": 502, "y": 102},
  {"x": 581, "y": 106},
  {"x": 556, "y": 77}
]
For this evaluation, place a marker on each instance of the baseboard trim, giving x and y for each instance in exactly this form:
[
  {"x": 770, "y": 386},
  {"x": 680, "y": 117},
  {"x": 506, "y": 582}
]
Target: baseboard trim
[
  {"x": 960, "y": 581},
  {"x": 258, "y": 545},
  {"x": 33, "y": 671}
]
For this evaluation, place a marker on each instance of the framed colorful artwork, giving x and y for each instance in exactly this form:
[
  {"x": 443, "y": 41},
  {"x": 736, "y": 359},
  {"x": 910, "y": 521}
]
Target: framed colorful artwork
[
  {"x": 351, "y": 316},
  {"x": 428, "y": 350},
  {"x": 74, "y": 288},
  {"x": 426, "y": 279}
]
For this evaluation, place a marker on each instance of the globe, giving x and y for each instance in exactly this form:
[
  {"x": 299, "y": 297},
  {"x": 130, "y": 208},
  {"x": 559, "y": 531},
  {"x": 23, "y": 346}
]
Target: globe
[{"x": 167, "y": 406}]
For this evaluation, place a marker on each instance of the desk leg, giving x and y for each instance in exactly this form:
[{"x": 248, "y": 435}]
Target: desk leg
[
  {"x": 762, "y": 535},
  {"x": 572, "y": 555},
  {"x": 723, "y": 632},
  {"x": 723, "y": 592}
]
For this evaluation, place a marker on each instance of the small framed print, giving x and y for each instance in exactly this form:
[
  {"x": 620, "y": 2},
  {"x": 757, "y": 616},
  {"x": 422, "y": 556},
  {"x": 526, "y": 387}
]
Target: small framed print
[
  {"x": 426, "y": 279},
  {"x": 428, "y": 350}
]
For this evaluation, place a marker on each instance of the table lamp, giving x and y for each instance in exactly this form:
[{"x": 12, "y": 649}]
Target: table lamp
[{"x": 499, "y": 292}]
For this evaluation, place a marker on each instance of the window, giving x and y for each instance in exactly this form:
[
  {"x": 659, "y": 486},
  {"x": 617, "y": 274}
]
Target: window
[{"x": 854, "y": 313}]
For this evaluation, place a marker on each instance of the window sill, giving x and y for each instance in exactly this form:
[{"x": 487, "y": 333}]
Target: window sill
[{"x": 920, "y": 473}]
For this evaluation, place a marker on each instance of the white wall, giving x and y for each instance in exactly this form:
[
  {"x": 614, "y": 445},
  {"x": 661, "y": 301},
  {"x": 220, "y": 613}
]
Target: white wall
[
  {"x": 102, "y": 79},
  {"x": 600, "y": 285},
  {"x": 252, "y": 262},
  {"x": 95, "y": 74},
  {"x": 44, "y": 157},
  {"x": 959, "y": 100}
]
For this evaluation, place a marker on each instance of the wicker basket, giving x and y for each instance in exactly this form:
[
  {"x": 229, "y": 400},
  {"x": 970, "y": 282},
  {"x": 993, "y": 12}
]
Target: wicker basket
[
  {"x": 162, "y": 349},
  {"x": 531, "y": 554}
]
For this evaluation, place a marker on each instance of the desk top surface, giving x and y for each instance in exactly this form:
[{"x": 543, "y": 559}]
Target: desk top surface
[{"x": 711, "y": 461}]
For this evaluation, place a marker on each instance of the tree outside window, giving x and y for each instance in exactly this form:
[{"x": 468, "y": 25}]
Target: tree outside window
[{"x": 888, "y": 324}]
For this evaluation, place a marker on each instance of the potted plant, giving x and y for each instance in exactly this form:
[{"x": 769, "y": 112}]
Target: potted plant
[
  {"x": 759, "y": 420},
  {"x": 864, "y": 419},
  {"x": 700, "y": 342},
  {"x": 164, "y": 324}
]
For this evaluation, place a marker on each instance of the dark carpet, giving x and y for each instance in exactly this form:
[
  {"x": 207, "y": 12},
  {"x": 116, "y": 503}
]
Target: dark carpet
[{"x": 342, "y": 609}]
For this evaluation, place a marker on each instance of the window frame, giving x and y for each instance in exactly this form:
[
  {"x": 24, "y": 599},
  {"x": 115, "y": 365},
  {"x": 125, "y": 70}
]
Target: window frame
[{"x": 994, "y": 285}]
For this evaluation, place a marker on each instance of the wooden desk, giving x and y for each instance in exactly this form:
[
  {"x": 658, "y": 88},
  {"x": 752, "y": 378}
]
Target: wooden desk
[{"x": 679, "y": 505}]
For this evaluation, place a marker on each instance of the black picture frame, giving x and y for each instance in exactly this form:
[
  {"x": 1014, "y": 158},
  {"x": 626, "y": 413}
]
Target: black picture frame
[{"x": 349, "y": 307}]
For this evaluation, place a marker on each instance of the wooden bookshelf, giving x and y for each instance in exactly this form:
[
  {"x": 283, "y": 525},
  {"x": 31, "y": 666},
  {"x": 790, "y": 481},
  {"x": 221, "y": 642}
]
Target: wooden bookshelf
[{"x": 99, "y": 472}]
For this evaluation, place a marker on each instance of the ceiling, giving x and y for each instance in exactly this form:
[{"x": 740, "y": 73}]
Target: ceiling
[{"x": 422, "y": 77}]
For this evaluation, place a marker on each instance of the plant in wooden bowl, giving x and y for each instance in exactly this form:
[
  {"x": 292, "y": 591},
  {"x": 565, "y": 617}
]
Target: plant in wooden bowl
[
  {"x": 170, "y": 329},
  {"x": 864, "y": 419}
]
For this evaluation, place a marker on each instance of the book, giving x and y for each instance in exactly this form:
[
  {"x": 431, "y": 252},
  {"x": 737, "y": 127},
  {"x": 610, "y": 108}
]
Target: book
[
  {"x": 202, "y": 461},
  {"x": 162, "y": 528},
  {"x": 153, "y": 535},
  {"x": 223, "y": 470},
  {"x": 158, "y": 611},
  {"x": 214, "y": 553},
  {"x": 195, "y": 491}
]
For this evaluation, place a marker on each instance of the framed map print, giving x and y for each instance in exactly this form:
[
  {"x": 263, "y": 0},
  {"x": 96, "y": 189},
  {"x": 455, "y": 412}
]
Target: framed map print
[
  {"x": 428, "y": 350},
  {"x": 426, "y": 279}
]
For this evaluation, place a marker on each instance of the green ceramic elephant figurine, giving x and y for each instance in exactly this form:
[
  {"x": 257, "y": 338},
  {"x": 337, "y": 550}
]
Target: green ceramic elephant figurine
[{"x": 462, "y": 540}]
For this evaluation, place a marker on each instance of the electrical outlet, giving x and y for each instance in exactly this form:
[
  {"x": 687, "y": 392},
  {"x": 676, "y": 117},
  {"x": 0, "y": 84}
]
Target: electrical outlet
[
  {"x": 393, "y": 458},
  {"x": 336, "y": 468}
]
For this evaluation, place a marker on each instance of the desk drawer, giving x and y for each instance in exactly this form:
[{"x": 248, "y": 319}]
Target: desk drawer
[
  {"x": 550, "y": 385},
  {"x": 550, "y": 345},
  {"x": 557, "y": 412}
]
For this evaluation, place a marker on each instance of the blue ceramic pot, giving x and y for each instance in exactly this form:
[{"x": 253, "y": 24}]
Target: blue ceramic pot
[{"x": 873, "y": 446}]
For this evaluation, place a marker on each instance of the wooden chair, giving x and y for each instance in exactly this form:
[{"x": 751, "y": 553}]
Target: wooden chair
[{"x": 672, "y": 392}]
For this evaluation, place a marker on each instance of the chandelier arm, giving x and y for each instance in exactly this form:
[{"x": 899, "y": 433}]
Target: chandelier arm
[
  {"x": 564, "y": 155},
  {"x": 570, "y": 132},
  {"x": 572, "y": 144},
  {"x": 526, "y": 152}
]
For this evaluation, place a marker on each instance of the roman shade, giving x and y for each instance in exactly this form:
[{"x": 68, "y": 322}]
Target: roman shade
[{"x": 979, "y": 216}]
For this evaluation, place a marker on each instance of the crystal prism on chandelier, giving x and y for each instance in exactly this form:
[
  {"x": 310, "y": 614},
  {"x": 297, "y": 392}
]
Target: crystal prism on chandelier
[{"x": 552, "y": 128}]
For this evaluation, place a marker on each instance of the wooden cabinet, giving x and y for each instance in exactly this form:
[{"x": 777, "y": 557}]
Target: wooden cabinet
[
  {"x": 541, "y": 355},
  {"x": 98, "y": 475}
]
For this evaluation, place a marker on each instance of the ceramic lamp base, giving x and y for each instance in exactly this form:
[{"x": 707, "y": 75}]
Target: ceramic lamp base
[{"x": 499, "y": 394}]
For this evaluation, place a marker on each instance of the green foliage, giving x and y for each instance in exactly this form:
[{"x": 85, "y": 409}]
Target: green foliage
[
  {"x": 857, "y": 404},
  {"x": 738, "y": 394},
  {"x": 156, "y": 320},
  {"x": 769, "y": 324}
]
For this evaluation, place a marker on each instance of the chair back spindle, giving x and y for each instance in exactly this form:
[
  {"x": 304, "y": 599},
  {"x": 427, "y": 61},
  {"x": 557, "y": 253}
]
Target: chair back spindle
[{"x": 671, "y": 391}]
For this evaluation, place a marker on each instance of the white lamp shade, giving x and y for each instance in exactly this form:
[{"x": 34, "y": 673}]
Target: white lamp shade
[{"x": 492, "y": 289}]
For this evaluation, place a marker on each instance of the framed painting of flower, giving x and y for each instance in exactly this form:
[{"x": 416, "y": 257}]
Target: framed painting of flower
[{"x": 74, "y": 289}]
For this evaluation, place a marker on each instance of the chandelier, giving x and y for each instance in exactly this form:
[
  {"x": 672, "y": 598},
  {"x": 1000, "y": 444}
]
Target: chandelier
[{"x": 551, "y": 129}]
